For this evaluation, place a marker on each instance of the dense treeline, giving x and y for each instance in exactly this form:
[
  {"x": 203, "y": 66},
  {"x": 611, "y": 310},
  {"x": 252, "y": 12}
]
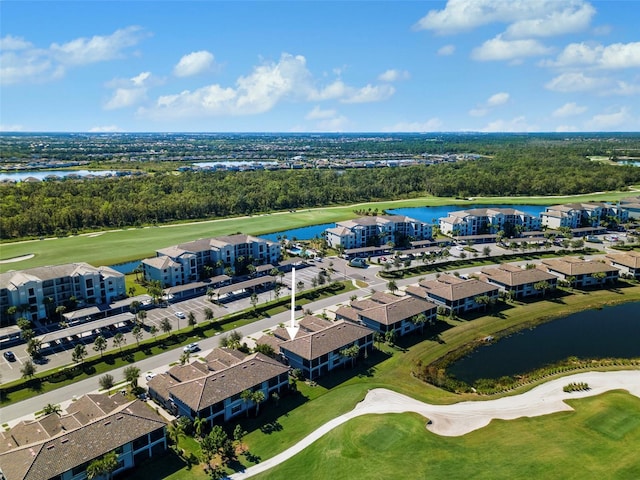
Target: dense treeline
[{"x": 56, "y": 208}]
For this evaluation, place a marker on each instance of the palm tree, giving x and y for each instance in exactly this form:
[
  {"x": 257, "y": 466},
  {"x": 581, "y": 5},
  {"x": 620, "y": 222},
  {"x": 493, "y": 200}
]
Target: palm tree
[
  {"x": 392, "y": 286},
  {"x": 103, "y": 466},
  {"x": 258, "y": 397},
  {"x": 28, "y": 369},
  {"x": 246, "y": 396},
  {"x": 50, "y": 408},
  {"x": 34, "y": 345},
  {"x": 175, "y": 430},
  {"x": 153, "y": 331},
  {"x": 191, "y": 318},
  {"x": 165, "y": 325},
  {"x": 208, "y": 314},
  {"x": 131, "y": 374},
  {"x": 420, "y": 319},
  {"x": 199, "y": 425}
]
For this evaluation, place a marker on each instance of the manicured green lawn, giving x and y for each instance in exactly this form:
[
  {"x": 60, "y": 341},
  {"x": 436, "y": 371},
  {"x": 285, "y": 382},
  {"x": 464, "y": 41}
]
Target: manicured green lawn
[
  {"x": 559, "y": 446},
  {"x": 116, "y": 246}
]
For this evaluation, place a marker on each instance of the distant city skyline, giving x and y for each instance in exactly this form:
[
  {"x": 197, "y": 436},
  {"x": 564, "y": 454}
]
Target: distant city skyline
[{"x": 312, "y": 66}]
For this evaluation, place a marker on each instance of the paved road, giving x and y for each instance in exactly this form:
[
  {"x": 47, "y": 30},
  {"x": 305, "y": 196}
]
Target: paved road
[{"x": 253, "y": 330}]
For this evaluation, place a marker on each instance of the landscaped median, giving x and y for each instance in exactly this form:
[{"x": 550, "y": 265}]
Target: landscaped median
[{"x": 49, "y": 380}]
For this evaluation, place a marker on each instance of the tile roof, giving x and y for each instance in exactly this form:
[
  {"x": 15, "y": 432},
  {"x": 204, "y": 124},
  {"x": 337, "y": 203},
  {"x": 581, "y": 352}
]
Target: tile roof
[
  {"x": 402, "y": 309},
  {"x": 574, "y": 266},
  {"x": 629, "y": 259},
  {"x": 512, "y": 276},
  {"x": 217, "y": 386},
  {"x": 336, "y": 336},
  {"x": 51, "y": 457},
  {"x": 453, "y": 288}
]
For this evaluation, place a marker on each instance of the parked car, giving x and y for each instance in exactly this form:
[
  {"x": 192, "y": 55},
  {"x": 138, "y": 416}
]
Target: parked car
[
  {"x": 192, "y": 347},
  {"x": 180, "y": 315},
  {"x": 9, "y": 355},
  {"x": 149, "y": 376}
]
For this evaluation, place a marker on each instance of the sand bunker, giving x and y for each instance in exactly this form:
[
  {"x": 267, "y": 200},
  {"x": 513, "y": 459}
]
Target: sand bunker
[{"x": 18, "y": 259}]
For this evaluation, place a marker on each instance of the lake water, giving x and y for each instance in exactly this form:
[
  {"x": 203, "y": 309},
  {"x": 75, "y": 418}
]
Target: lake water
[
  {"x": 607, "y": 332},
  {"x": 126, "y": 267},
  {"x": 42, "y": 174}
]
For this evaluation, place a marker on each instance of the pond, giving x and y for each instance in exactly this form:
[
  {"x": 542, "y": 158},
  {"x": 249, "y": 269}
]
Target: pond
[{"x": 602, "y": 333}]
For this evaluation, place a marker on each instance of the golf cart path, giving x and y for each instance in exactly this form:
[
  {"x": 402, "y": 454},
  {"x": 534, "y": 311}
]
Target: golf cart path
[{"x": 464, "y": 417}]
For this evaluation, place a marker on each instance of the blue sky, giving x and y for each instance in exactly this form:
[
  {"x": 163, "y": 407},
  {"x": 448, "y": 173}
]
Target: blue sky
[{"x": 320, "y": 66}]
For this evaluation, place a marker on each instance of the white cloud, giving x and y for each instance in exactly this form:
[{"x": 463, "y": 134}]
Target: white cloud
[
  {"x": 528, "y": 18},
  {"x": 493, "y": 101},
  {"x": 369, "y": 93},
  {"x": 624, "y": 88},
  {"x": 498, "y": 99},
  {"x": 433, "y": 124},
  {"x": 129, "y": 91},
  {"x": 614, "y": 56},
  {"x": 83, "y": 51},
  {"x": 193, "y": 64},
  {"x": 318, "y": 114},
  {"x": 335, "y": 124},
  {"x": 105, "y": 129},
  {"x": 9, "y": 42},
  {"x": 21, "y": 62},
  {"x": 446, "y": 50},
  {"x": 605, "y": 121},
  {"x": 517, "y": 124},
  {"x": 575, "y": 82},
  {"x": 394, "y": 75},
  {"x": 572, "y": 18},
  {"x": 569, "y": 110},
  {"x": 499, "y": 49},
  {"x": 261, "y": 90}
]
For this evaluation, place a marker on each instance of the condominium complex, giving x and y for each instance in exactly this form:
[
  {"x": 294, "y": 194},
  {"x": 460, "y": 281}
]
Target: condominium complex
[
  {"x": 186, "y": 262},
  {"x": 36, "y": 292},
  {"x": 574, "y": 215},
  {"x": 488, "y": 220},
  {"x": 377, "y": 230}
]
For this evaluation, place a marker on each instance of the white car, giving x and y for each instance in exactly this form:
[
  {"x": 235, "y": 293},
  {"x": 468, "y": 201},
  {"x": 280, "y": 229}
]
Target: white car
[
  {"x": 180, "y": 315},
  {"x": 192, "y": 347},
  {"x": 149, "y": 376}
]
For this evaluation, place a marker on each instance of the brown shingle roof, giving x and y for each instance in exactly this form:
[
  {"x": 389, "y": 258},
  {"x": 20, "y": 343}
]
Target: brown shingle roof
[
  {"x": 513, "y": 276},
  {"x": 402, "y": 309},
  {"x": 49, "y": 458},
  {"x": 574, "y": 266},
  {"x": 217, "y": 386},
  {"x": 628, "y": 259},
  {"x": 334, "y": 337},
  {"x": 452, "y": 288}
]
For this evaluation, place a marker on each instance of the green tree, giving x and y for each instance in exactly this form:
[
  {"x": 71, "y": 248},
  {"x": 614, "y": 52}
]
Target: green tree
[
  {"x": 100, "y": 344},
  {"x": 247, "y": 397},
  {"x": 165, "y": 325},
  {"x": 28, "y": 369},
  {"x": 254, "y": 300},
  {"x": 34, "y": 347},
  {"x": 50, "y": 408},
  {"x": 153, "y": 330},
  {"x": 238, "y": 433},
  {"x": 137, "y": 334},
  {"x": 184, "y": 358},
  {"x": 420, "y": 319},
  {"x": 258, "y": 397},
  {"x": 175, "y": 431},
  {"x": 208, "y": 313},
  {"x": 352, "y": 353},
  {"x": 199, "y": 424},
  {"x": 392, "y": 286},
  {"x": 542, "y": 286},
  {"x": 131, "y": 375},
  {"x": 265, "y": 349},
  {"x": 103, "y": 466},
  {"x": 599, "y": 276},
  {"x": 390, "y": 337},
  {"x": 106, "y": 381},
  {"x": 191, "y": 318},
  {"x": 79, "y": 353},
  {"x": 119, "y": 340}
]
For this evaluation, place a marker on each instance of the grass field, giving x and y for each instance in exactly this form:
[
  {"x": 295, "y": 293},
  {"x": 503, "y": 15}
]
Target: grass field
[
  {"x": 117, "y": 246},
  {"x": 600, "y": 439}
]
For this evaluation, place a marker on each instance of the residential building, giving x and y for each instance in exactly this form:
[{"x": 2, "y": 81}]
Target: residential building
[
  {"x": 318, "y": 352},
  {"x": 628, "y": 262},
  {"x": 479, "y": 221},
  {"x": 588, "y": 214},
  {"x": 40, "y": 290},
  {"x": 519, "y": 282},
  {"x": 631, "y": 205},
  {"x": 187, "y": 262},
  {"x": 455, "y": 294},
  {"x": 383, "y": 313},
  {"x": 377, "y": 230},
  {"x": 62, "y": 446},
  {"x": 212, "y": 390},
  {"x": 580, "y": 273}
]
